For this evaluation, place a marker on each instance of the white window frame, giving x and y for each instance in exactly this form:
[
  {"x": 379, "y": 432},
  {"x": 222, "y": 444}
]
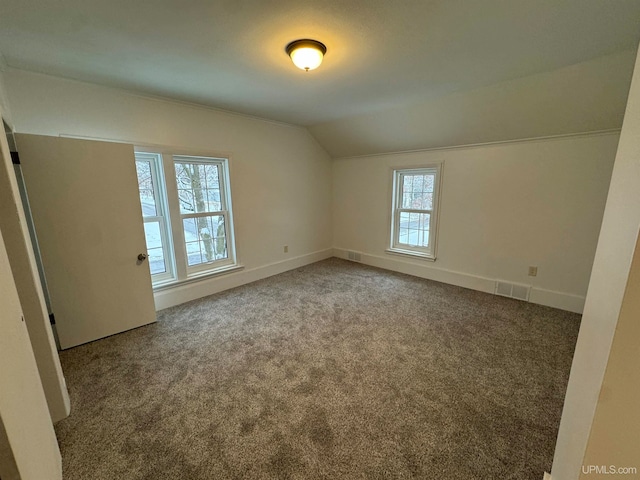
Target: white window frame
[
  {"x": 181, "y": 271},
  {"x": 225, "y": 212},
  {"x": 162, "y": 214},
  {"x": 428, "y": 253}
]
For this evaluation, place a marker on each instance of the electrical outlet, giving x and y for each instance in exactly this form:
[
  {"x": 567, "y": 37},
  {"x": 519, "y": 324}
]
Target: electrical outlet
[
  {"x": 286, "y": 249},
  {"x": 533, "y": 271}
]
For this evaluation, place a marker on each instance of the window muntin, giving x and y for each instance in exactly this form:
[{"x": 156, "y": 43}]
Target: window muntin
[
  {"x": 203, "y": 202},
  {"x": 414, "y": 211},
  {"x": 196, "y": 192},
  {"x": 154, "y": 216},
  {"x": 198, "y": 185}
]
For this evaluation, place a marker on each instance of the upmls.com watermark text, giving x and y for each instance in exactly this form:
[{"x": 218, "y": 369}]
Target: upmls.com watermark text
[{"x": 609, "y": 470}]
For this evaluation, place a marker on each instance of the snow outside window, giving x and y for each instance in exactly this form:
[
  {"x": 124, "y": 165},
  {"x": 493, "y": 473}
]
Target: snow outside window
[{"x": 186, "y": 209}]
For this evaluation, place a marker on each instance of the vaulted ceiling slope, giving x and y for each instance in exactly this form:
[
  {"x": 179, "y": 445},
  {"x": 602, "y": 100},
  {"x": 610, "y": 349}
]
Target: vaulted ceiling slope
[
  {"x": 589, "y": 96},
  {"x": 388, "y": 63}
]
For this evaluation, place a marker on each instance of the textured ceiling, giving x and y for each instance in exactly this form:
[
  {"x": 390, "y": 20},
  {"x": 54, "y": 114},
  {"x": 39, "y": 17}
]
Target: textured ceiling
[{"x": 381, "y": 55}]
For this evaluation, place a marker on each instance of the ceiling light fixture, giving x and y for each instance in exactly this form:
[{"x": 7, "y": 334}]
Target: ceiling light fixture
[{"x": 306, "y": 54}]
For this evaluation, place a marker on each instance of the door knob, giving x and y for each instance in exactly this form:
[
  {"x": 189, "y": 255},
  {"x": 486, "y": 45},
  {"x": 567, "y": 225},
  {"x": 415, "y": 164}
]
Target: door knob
[{"x": 142, "y": 257}]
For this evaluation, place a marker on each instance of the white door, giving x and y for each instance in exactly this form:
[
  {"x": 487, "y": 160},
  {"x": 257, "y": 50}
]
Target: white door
[{"x": 86, "y": 211}]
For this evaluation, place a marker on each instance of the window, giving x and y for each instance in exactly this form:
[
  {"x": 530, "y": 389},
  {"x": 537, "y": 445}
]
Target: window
[
  {"x": 203, "y": 210},
  {"x": 152, "y": 201},
  {"x": 186, "y": 209},
  {"x": 414, "y": 211}
]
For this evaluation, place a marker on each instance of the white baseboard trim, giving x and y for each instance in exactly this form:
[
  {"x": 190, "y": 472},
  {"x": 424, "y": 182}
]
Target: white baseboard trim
[
  {"x": 563, "y": 301},
  {"x": 422, "y": 270},
  {"x": 547, "y": 476},
  {"x": 185, "y": 293},
  {"x": 191, "y": 291},
  {"x": 549, "y": 298}
]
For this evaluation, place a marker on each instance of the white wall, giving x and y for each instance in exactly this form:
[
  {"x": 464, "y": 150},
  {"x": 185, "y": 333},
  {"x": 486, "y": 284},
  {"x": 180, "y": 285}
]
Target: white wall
[
  {"x": 280, "y": 176},
  {"x": 23, "y": 409},
  {"x": 609, "y": 279},
  {"x": 585, "y": 97},
  {"x": 503, "y": 207},
  {"x": 18, "y": 243},
  {"x": 4, "y": 100}
]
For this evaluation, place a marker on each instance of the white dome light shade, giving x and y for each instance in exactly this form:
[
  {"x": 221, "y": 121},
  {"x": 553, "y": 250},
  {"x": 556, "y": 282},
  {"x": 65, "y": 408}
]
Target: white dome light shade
[
  {"x": 306, "y": 54},
  {"x": 306, "y": 58}
]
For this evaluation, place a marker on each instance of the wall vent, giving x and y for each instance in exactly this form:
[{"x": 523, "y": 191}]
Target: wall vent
[
  {"x": 512, "y": 290},
  {"x": 354, "y": 256}
]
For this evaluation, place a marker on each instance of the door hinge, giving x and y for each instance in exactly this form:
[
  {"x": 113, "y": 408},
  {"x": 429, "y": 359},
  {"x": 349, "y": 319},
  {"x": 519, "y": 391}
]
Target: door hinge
[
  {"x": 15, "y": 158},
  {"x": 52, "y": 319}
]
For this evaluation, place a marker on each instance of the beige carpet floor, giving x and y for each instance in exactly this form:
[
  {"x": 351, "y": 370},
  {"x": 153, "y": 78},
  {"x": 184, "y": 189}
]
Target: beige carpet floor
[{"x": 332, "y": 371}]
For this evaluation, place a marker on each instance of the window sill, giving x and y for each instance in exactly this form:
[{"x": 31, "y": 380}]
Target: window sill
[
  {"x": 411, "y": 253},
  {"x": 197, "y": 277}
]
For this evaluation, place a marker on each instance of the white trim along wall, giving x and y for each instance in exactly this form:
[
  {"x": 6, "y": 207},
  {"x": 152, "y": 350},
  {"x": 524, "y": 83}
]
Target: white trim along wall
[
  {"x": 563, "y": 301},
  {"x": 188, "y": 292},
  {"x": 503, "y": 208},
  {"x": 280, "y": 177}
]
